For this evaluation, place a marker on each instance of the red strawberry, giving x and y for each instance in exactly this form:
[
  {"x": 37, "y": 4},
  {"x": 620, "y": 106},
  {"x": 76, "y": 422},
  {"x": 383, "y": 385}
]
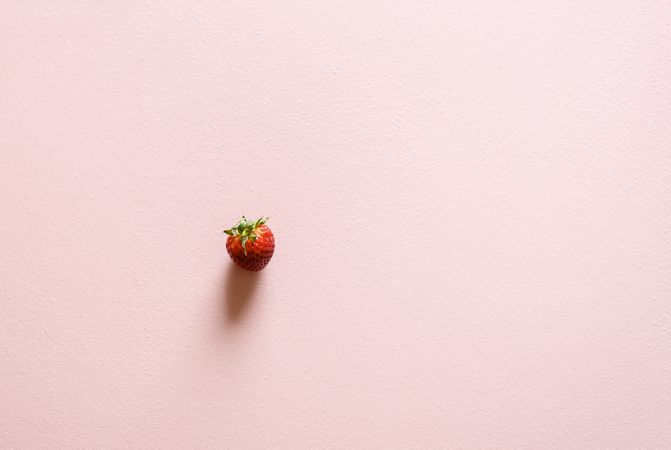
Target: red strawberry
[{"x": 250, "y": 244}]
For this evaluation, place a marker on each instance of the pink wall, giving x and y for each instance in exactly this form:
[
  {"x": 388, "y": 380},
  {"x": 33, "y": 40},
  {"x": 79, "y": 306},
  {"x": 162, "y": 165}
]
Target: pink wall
[{"x": 472, "y": 203}]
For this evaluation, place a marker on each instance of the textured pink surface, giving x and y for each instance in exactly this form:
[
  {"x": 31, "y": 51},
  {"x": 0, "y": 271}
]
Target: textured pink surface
[{"x": 472, "y": 204}]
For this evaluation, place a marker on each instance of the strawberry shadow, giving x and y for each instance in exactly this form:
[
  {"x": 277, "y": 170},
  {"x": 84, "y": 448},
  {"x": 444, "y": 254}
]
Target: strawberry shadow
[{"x": 239, "y": 289}]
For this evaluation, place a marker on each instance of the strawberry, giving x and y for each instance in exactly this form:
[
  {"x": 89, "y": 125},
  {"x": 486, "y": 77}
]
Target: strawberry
[{"x": 250, "y": 244}]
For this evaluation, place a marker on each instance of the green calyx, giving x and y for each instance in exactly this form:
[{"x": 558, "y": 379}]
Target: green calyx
[{"x": 246, "y": 230}]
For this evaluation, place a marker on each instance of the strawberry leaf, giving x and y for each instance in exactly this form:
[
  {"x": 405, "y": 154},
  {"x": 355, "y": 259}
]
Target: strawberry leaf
[{"x": 243, "y": 241}]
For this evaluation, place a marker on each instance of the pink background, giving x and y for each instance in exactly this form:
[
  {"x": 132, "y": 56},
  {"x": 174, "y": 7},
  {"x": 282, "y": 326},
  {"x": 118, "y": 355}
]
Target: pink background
[{"x": 472, "y": 204}]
